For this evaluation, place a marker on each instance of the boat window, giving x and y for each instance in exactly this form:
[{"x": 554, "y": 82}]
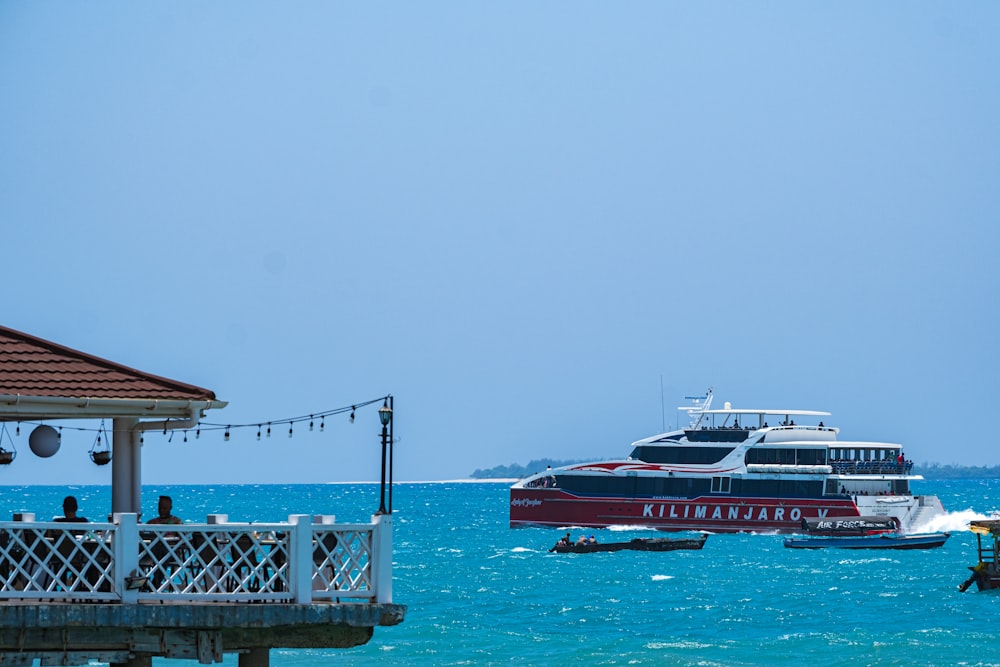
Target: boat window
[
  {"x": 720, "y": 485},
  {"x": 777, "y": 488},
  {"x": 811, "y": 457},
  {"x": 780, "y": 456}
]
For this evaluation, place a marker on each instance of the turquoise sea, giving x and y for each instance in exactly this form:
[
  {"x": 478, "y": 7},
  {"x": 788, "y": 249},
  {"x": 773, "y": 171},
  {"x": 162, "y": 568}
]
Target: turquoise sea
[{"x": 480, "y": 593}]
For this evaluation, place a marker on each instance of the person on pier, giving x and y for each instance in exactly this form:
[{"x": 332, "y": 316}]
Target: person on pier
[
  {"x": 70, "y": 509},
  {"x": 164, "y": 516}
]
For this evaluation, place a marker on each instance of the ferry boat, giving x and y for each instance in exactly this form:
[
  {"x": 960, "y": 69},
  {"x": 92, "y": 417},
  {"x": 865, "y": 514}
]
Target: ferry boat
[{"x": 730, "y": 470}]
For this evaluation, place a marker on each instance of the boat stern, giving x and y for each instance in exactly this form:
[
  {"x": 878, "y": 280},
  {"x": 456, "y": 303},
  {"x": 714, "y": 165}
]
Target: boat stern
[{"x": 915, "y": 514}]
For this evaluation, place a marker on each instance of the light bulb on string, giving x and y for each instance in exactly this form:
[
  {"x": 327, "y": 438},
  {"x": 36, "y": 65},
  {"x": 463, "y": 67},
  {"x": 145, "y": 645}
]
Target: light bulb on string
[
  {"x": 197, "y": 433},
  {"x": 18, "y": 431},
  {"x": 352, "y": 414},
  {"x": 142, "y": 438},
  {"x": 225, "y": 436},
  {"x": 310, "y": 422},
  {"x": 185, "y": 436},
  {"x": 269, "y": 429},
  {"x": 290, "y": 429},
  {"x": 258, "y": 431},
  {"x": 322, "y": 423}
]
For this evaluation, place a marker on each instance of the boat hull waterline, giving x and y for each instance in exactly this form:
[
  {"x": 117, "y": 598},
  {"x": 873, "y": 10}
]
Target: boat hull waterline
[{"x": 884, "y": 541}]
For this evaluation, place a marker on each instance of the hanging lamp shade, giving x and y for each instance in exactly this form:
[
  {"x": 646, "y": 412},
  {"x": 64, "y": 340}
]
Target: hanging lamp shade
[{"x": 44, "y": 441}]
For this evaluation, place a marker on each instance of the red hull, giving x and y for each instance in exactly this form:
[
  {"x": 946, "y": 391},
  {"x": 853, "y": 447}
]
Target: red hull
[{"x": 552, "y": 507}]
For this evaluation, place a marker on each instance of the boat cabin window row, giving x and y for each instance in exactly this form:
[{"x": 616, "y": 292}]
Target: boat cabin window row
[
  {"x": 680, "y": 454},
  {"x": 688, "y": 487},
  {"x": 896, "y": 487},
  {"x": 790, "y": 456},
  {"x": 863, "y": 454}
]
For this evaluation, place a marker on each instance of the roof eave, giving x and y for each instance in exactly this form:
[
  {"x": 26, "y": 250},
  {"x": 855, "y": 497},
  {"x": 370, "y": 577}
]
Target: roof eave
[{"x": 25, "y": 408}]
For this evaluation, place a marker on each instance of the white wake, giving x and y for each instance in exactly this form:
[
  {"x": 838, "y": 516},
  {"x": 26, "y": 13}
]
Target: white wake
[{"x": 949, "y": 522}]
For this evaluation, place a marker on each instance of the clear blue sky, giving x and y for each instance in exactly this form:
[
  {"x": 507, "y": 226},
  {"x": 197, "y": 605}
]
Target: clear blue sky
[{"x": 515, "y": 217}]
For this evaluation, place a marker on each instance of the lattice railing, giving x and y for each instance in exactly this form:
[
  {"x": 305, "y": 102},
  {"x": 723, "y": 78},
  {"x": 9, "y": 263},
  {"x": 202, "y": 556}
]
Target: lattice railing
[
  {"x": 342, "y": 562},
  {"x": 296, "y": 561},
  {"x": 49, "y": 560}
]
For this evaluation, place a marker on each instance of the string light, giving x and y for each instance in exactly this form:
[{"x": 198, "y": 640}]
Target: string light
[{"x": 228, "y": 428}]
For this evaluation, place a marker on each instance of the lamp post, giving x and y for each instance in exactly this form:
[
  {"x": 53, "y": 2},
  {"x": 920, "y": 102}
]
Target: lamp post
[
  {"x": 392, "y": 423},
  {"x": 385, "y": 416}
]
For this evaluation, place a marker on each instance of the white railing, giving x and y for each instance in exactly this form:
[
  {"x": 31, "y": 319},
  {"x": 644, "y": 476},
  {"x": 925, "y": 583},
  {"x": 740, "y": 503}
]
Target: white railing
[{"x": 295, "y": 562}]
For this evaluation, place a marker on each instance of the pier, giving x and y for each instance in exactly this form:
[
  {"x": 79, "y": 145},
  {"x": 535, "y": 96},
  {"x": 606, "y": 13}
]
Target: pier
[{"x": 124, "y": 592}]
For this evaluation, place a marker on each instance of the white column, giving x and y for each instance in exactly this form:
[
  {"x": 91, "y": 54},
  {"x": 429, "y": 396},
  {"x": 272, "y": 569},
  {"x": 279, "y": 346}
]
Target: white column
[
  {"x": 126, "y": 554},
  {"x": 382, "y": 557},
  {"x": 136, "y": 471},
  {"x": 125, "y": 461},
  {"x": 300, "y": 559}
]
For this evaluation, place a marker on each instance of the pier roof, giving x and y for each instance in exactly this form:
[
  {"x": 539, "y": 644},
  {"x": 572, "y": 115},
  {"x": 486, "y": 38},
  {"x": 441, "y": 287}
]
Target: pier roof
[{"x": 40, "y": 379}]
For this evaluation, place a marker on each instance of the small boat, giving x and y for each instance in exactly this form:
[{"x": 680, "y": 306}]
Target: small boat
[
  {"x": 851, "y": 526},
  {"x": 878, "y": 541},
  {"x": 985, "y": 573},
  {"x": 637, "y": 544}
]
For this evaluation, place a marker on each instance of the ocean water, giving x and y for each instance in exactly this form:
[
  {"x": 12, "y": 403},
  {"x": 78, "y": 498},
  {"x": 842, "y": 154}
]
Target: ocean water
[{"x": 480, "y": 593}]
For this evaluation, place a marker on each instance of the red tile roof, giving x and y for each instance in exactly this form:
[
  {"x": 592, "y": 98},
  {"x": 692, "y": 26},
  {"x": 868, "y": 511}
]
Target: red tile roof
[{"x": 31, "y": 366}]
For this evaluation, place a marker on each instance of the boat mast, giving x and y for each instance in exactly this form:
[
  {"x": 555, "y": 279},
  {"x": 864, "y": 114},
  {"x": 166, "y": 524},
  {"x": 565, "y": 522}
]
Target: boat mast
[{"x": 696, "y": 411}]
